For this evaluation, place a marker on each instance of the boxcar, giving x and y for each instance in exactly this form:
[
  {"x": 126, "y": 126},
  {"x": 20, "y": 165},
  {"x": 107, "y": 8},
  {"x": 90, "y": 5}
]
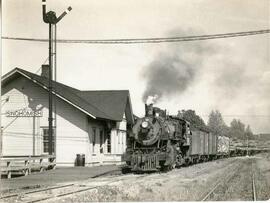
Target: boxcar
[
  {"x": 195, "y": 148},
  {"x": 214, "y": 144},
  {"x": 203, "y": 145},
  {"x": 206, "y": 143}
]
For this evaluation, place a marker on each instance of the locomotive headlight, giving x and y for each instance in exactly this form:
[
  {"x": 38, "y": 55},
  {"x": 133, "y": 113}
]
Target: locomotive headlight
[{"x": 144, "y": 124}]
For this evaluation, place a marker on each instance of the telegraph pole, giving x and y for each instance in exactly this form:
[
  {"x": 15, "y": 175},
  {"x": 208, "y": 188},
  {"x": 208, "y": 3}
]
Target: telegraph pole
[
  {"x": 51, "y": 19},
  {"x": 247, "y": 145}
]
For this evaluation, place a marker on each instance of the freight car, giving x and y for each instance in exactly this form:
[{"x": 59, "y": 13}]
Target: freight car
[{"x": 159, "y": 142}]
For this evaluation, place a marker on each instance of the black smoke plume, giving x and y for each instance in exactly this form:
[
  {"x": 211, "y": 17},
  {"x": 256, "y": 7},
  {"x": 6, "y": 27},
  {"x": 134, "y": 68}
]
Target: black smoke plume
[
  {"x": 174, "y": 69},
  {"x": 167, "y": 76}
]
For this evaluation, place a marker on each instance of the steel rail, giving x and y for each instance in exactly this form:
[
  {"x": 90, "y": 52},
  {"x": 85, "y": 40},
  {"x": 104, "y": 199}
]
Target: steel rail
[
  {"x": 76, "y": 191},
  {"x": 211, "y": 191},
  {"x": 36, "y": 191},
  {"x": 206, "y": 169},
  {"x": 254, "y": 192},
  {"x": 55, "y": 187},
  {"x": 220, "y": 182},
  {"x": 254, "y": 188}
]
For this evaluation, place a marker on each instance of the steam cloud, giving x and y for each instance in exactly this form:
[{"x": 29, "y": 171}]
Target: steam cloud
[{"x": 151, "y": 99}]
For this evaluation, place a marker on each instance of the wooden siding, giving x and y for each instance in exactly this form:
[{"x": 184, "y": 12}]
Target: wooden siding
[
  {"x": 71, "y": 131},
  {"x": 23, "y": 135}
]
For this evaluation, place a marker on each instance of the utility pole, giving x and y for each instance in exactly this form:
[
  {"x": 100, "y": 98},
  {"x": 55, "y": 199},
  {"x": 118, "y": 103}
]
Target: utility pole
[
  {"x": 51, "y": 19},
  {"x": 247, "y": 145}
]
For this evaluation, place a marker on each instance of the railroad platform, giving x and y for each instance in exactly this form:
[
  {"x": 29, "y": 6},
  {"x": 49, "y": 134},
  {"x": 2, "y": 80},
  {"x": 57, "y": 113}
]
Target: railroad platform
[{"x": 54, "y": 177}]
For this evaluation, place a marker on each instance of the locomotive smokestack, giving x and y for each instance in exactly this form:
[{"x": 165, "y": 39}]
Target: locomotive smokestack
[
  {"x": 149, "y": 105},
  {"x": 149, "y": 110}
]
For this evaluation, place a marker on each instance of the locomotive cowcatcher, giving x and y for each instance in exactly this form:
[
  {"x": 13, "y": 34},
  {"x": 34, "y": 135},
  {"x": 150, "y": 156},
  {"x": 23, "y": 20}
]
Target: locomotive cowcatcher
[{"x": 158, "y": 142}]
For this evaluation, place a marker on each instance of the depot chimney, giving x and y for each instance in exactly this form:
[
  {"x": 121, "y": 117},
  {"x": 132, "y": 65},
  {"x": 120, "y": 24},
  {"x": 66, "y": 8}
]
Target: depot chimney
[{"x": 45, "y": 70}]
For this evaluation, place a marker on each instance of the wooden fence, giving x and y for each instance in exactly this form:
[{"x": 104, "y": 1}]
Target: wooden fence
[{"x": 25, "y": 165}]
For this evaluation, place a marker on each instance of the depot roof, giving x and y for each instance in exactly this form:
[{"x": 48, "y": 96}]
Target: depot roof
[{"x": 102, "y": 104}]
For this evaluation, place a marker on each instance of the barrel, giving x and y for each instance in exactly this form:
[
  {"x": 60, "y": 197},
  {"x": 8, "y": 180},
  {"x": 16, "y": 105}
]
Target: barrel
[{"x": 80, "y": 160}]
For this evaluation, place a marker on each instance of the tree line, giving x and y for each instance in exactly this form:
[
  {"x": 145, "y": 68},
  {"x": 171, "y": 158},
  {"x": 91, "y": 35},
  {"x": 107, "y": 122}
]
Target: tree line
[{"x": 236, "y": 129}]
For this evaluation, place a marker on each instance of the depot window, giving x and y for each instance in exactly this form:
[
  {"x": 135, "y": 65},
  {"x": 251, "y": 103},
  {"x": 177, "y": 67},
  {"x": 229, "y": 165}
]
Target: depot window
[{"x": 45, "y": 132}]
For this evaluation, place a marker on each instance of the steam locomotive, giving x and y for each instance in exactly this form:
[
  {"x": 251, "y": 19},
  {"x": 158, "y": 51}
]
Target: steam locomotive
[{"x": 160, "y": 142}]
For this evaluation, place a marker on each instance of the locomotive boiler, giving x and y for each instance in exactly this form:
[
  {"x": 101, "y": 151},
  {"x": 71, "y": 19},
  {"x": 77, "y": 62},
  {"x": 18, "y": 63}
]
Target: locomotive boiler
[{"x": 157, "y": 142}]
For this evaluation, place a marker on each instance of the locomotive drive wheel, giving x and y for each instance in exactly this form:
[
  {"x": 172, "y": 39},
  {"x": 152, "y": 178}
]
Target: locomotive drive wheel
[
  {"x": 125, "y": 170},
  {"x": 163, "y": 167},
  {"x": 179, "y": 161},
  {"x": 166, "y": 168}
]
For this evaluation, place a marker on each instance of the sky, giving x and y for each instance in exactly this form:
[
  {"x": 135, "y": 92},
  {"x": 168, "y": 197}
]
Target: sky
[{"x": 231, "y": 75}]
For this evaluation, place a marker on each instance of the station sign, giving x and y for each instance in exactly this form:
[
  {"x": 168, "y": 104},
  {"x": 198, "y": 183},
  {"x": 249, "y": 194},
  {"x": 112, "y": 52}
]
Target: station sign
[{"x": 24, "y": 113}]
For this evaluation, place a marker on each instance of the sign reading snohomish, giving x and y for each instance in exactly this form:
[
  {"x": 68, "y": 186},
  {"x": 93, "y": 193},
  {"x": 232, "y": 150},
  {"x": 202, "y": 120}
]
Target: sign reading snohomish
[{"x": 23, "y": 113}]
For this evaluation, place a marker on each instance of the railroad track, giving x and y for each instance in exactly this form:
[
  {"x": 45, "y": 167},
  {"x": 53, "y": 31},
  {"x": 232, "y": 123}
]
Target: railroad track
[
  {"x": 227, "y": 179},
  {"x": 57, "y": 192},
  {"x": 254, "y": 192},
  {"x": 206, "y": 169},
  {"x": 218, "y": 184},
  {"x": 35, "y": 191},
  {"x": 55, "y": 187},
  {"x": 76, "y": 187}
]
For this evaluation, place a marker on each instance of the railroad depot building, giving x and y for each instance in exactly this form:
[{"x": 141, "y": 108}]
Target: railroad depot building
[{"x": 93, "y": 123}]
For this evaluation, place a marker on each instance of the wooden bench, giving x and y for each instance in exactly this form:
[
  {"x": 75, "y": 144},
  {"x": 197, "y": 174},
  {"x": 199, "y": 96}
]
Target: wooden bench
[{"x": 25, "y": 165}]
